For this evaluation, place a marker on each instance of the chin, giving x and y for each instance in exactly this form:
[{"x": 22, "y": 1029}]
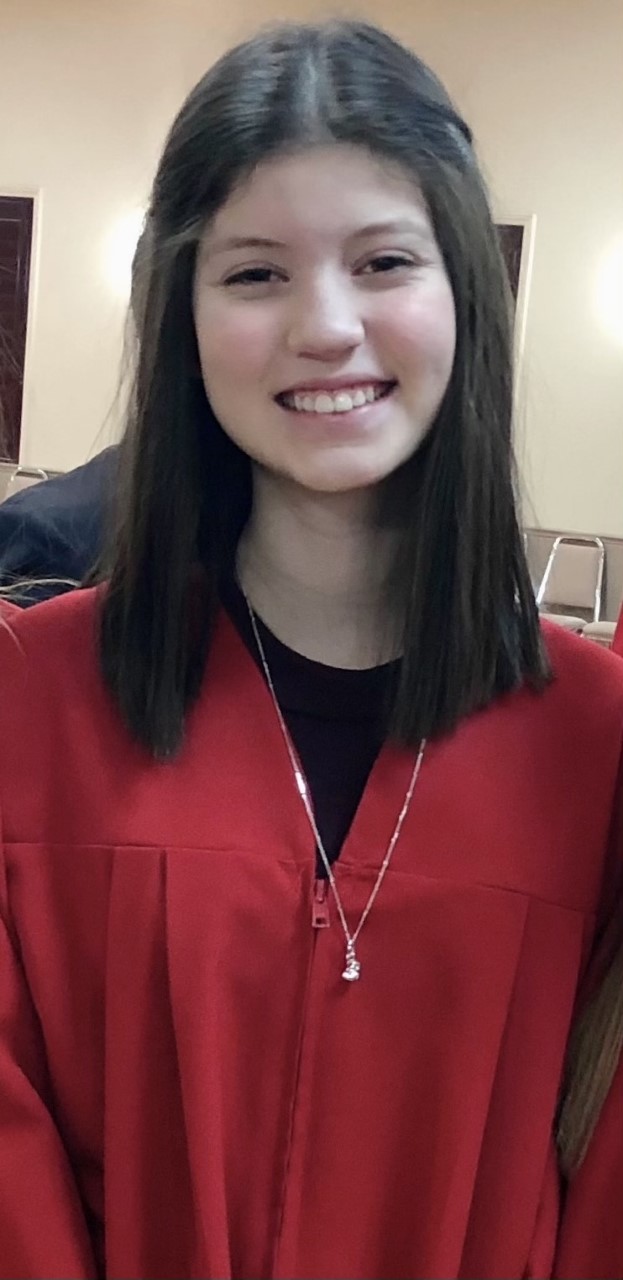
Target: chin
[
  {"x": 339, "y": 482},
  {"x": 349, "y": 476}
]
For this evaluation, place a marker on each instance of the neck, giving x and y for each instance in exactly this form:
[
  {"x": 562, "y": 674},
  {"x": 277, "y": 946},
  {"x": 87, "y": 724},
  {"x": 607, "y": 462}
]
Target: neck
[{"x": 314, "y": 568}]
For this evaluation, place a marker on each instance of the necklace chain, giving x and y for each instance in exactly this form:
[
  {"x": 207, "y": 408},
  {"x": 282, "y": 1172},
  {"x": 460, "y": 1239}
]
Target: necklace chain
[{"x": 353, "y": 968}]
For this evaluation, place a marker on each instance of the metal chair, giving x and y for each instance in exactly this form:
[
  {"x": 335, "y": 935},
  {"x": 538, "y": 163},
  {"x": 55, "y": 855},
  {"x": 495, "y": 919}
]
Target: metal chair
[
  {"x": 568, "y": 621},
  {"x": 573, "y": 579},
  {"x": 601, "y": 632},
  {"x": 23, "y": 478}
]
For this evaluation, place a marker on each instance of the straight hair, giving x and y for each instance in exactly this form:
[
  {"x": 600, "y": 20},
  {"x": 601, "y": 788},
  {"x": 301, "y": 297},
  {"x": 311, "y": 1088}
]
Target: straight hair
[{"x": 459, "y": 585}]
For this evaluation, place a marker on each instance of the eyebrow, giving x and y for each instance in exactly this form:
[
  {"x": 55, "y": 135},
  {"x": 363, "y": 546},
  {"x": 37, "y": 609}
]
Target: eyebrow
[
  {"x": 401, "y": 227},
  {"x": 243, "y": 242},
  {"x": 234, "y": 243}
]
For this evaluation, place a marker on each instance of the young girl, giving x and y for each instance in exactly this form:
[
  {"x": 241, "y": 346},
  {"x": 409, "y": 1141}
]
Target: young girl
[{"x": 311, "y": 838}]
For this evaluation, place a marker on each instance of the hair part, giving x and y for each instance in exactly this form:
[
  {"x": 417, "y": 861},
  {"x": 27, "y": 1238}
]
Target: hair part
[{"x": 459, "y": 587}]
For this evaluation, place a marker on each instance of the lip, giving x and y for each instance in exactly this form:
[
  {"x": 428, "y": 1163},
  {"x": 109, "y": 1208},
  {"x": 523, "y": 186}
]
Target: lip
[{"x": 333, "y": 384}]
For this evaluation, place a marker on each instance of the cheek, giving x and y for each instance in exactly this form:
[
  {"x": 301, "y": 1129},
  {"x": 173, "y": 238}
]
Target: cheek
[
  {"x": 420, "y": 331},
  {"x": 233, "y": 342}
]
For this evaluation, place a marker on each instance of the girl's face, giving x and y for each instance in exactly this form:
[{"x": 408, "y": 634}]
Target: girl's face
[{"x": 325, "y": 319}]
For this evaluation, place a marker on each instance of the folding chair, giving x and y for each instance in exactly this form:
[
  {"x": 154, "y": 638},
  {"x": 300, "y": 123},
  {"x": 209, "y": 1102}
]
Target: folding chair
[
  {"x": 573, "y": 579},
  {"x": 22, "y": 478}
]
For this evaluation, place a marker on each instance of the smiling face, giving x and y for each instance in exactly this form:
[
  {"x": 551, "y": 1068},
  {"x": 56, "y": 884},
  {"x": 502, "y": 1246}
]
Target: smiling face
[{"x": 325, "y": 319}]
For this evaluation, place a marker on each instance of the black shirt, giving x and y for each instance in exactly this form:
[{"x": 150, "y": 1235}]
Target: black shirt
[{"x": 336, "y": 719}]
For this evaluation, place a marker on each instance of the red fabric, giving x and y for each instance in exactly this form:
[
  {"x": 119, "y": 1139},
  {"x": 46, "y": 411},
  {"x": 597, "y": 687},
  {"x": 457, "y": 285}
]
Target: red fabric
[
  {"x": 617, "y": 643},
  {"x": 187, "y": 1087},
  {"x": 591, "y": 1236},
  {"x": 591, "y": 1241}
]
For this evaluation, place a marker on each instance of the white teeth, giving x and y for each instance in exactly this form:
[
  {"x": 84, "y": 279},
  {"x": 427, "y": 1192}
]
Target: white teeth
[
  {"x": 324, "y": 403},
  {"x": 340, "y": 402}
]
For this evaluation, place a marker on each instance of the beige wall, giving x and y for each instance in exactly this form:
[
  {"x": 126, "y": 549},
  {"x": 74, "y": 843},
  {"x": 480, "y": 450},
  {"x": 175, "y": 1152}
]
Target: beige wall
[{"x": 87, "y": 90}]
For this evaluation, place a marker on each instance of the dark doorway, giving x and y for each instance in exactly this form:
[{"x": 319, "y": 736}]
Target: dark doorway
[
  {"x": 16, "y": 219},
  {"x": 511, "y": 243}
]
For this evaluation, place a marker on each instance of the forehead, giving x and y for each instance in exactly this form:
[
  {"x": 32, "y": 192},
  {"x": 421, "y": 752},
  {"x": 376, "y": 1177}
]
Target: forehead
[{"x": 321, "y": 191}]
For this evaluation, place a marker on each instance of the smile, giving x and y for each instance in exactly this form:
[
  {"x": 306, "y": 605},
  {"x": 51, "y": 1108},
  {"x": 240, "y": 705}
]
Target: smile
[{"x": 342, "y": 401}]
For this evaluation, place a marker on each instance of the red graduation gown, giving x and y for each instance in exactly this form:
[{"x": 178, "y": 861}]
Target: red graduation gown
[
  {"x": 617, "y": 643},
  {"x": 187, "y": 1086},
  {"x": 591, "y": 1236}
]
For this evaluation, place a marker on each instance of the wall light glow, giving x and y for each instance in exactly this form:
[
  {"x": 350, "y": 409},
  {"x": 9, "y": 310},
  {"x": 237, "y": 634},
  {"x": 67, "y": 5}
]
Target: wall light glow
[
  {"x": 119, "y": 247},
  {"x": 609, "y": 291}
]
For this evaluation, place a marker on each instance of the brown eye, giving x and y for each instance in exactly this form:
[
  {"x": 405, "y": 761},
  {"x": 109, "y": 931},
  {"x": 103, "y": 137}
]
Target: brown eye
[
  {"x": 253, "y": 275},
  {"x": 386, "y": 262}
]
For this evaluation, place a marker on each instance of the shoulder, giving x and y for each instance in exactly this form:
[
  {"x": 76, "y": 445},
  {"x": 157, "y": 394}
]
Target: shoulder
[
  {"x": 54, "y": 703},
  {"x": 579, "y": 715},
  {"x": 53, "y": 622},
  {"x": 572, "y": 729},
  {"x": 582, "y": 669},
  {"x": 8, "y": 611},
  {"x": 52, "y": 641}
]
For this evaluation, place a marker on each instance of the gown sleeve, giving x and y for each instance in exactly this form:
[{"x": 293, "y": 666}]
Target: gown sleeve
[
  {"x": 42, "y": 1227},
  {"x": 590, "y": 1243}
]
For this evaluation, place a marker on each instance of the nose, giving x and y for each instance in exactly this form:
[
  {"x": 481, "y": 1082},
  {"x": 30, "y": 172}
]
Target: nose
[{"x": 325, "y": 322}]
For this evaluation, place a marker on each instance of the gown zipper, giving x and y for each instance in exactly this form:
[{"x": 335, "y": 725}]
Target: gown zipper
[{"x": 320, "y": 905}]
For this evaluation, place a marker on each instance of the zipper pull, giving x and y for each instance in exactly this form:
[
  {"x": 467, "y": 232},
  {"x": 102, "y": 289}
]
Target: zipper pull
[{"x": 320, "y": 905}]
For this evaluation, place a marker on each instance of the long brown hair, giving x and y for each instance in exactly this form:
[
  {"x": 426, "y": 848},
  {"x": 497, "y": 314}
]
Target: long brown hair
[
  {"x": 460, "y": 584},
  {"x": 594, "y": 1053}
]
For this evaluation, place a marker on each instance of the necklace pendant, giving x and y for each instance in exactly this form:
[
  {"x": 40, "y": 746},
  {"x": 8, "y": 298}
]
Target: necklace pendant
[{"x": 352, "y": 971}]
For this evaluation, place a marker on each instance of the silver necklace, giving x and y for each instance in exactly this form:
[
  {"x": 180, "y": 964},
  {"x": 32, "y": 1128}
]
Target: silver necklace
[{"x": 352, "y": 971}]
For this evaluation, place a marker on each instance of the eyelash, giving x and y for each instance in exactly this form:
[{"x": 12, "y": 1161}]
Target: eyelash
[
  {"x": 395, "y": 260},
  {"x": 250, "y": 276},
  {"x": 258, "y": 275}
]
